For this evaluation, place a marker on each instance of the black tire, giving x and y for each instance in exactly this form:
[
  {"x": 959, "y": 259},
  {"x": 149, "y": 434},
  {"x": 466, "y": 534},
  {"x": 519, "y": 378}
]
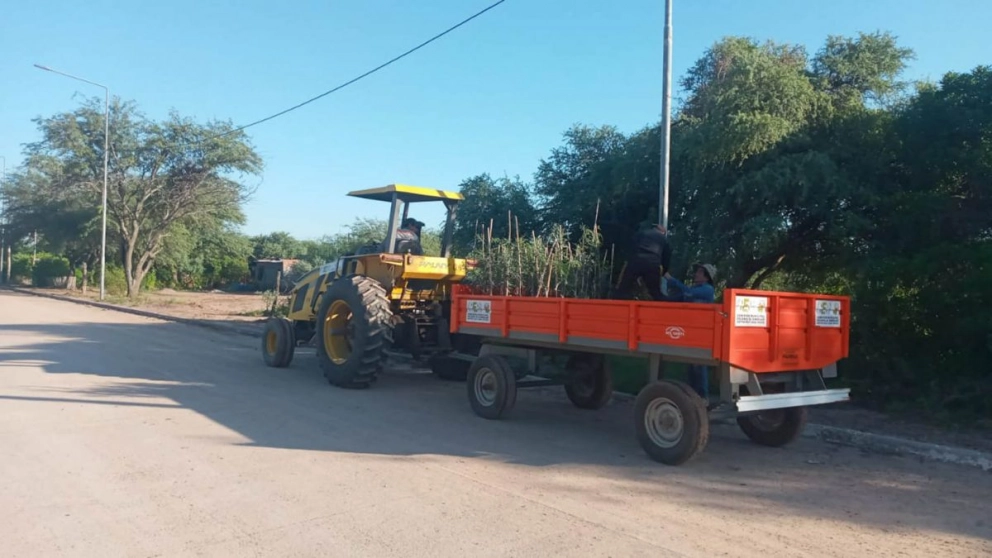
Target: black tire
[
  {"x": 590, "y": 383},
  {"x": 353, "y": 326},
  {"x": 278, "y": 342},
  {"x": 675, "y": 407},
  {"x": 776, "y": 427},
  {"x": 450, "y": 369},
  {"x": 491, "y": 386}
]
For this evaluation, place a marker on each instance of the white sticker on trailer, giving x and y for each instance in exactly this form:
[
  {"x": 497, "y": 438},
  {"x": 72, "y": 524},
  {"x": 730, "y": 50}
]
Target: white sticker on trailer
[
  {"x": 751, "y": 311},
  {"x": 827, "y": 313},
  {"x": 478, "y": 311}
]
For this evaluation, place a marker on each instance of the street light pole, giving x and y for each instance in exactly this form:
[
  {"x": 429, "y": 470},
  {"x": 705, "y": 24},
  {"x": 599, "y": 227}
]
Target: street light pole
[
  {"x": 106, "y": 154},
  {"x": 3, "y": 214},
  {"x": 666, "y": 120}
]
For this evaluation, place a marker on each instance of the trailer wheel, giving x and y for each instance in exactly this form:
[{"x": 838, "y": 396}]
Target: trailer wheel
[
  {"x": 590, "y": 383},
  {"x": 776, "y": 427},
  {"x": 671, "y": 422},
  {"x": 491, "y": 386},
  {"x": 278, "y": 342}
]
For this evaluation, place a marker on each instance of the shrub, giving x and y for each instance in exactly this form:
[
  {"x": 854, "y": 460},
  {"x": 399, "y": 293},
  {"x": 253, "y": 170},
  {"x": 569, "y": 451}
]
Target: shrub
[
  {"x": 92, "y": 277},
  {"x": 150, "y": 282},
  {"x": 115, "y": 281},
  {"x": 49, "y": 267},
  {"x": 21, "y": 268}
]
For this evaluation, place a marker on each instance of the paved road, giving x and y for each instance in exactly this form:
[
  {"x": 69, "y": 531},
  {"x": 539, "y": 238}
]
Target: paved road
[{"x": 125, "y": 436}]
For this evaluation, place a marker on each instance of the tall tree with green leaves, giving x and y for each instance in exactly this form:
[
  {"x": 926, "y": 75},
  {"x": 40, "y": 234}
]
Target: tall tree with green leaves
[
  {"x": 762, "y": 146},
  {"x": 64, "y": 221},
  {"x": 160, "y": 173},
  {"x": 926, "y": 277},
  {"x": 493, "y": 201}
]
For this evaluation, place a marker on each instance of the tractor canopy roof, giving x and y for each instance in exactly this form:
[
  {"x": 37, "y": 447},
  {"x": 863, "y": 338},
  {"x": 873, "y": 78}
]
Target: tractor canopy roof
[{"x": 406, "y": 193}]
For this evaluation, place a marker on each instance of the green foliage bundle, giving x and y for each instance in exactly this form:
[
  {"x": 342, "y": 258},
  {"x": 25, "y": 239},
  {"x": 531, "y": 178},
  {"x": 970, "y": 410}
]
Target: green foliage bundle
[{"x": 548, "y": 265}]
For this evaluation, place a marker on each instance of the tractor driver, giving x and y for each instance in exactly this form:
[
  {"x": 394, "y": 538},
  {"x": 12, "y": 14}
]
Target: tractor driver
[{"x": 408, "y": 237}]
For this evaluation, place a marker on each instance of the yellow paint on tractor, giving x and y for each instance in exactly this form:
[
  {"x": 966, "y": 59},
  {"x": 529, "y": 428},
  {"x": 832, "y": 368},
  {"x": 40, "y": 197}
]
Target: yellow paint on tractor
[
  {"x": 336, "y": 338},
  {"x": 426, "y": 267},
  {"x": 271, "y": 343},
  {"x": 409, "y": 193}
]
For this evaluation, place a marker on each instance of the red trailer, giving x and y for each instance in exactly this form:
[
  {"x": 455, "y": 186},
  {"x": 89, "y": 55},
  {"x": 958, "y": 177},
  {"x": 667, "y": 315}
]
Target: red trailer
[{"x": 771, "y": 350}]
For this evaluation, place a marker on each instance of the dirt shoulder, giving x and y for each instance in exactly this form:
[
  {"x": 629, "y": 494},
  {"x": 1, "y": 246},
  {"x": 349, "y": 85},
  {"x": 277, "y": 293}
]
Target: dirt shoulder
[{"x": 215, "y": 305}]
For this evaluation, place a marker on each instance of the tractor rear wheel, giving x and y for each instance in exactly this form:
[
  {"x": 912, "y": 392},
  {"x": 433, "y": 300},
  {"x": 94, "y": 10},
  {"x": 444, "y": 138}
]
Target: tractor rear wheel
[
  {"x": 353, "y": 326},
  {"x": 278, "y": 342}
]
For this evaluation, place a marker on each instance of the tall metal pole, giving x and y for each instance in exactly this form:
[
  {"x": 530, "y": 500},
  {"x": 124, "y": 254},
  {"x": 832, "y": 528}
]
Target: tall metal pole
[
  {"x": 106, "y": 154},
  {"x": 3, "y": 213},
  {"x": 106, "y": 149},
  {"x": 666, "y": 120}
]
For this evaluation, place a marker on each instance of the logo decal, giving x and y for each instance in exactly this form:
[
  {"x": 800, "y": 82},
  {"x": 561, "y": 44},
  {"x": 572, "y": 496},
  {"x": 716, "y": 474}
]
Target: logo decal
[{"x": 675, "y": 332}]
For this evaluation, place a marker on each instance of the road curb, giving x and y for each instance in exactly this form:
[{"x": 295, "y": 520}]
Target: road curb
[
  {"x": 892, "y": 445},
  {"x": 885, "y": 445},
  {"x": 226, "y": 328}
]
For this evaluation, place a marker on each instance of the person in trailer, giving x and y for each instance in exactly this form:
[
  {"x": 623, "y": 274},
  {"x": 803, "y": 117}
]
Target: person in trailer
[
  {"x": 701, "y": 290},
  {"x": 651, "y": 259}
]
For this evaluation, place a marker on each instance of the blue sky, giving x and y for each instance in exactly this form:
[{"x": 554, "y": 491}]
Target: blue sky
[{"x": 494, "y": 96}]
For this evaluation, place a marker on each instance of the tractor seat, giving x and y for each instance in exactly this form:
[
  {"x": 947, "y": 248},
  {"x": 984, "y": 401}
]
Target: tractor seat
[{"x": 404, "y": 245}]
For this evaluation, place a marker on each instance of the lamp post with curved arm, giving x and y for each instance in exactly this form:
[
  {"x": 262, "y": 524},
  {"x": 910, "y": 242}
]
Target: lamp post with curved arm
[{"x": 106, "y": 152}]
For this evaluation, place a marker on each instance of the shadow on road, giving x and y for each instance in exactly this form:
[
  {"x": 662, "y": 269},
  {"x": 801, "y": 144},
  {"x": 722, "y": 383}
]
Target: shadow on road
[{"x": 221, "y": 377}]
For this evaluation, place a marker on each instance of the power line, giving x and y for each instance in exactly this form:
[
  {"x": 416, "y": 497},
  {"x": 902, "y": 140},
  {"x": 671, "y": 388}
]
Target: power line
[{"x": 366, "y": 74}]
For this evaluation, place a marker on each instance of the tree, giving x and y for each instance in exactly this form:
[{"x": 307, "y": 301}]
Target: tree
[
  {"x": 859, "y": 70},
  {"x": 762, "y": 149},
  {"x": 488, "y": 200},
  {"x": 66, "y": 223},
  {"x": 926, "y": 276},
  {"x": 364, "y": 232},
  {"x": 277, "y": 245},
  {"x": 204, "y": 253},
  {"x": 160, "y": 173},
  {"x": 572, "y": 181}
]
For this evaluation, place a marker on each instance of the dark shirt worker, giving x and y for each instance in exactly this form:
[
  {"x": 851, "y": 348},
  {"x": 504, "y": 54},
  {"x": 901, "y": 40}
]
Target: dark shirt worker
[{"x": 651, "y": 260}]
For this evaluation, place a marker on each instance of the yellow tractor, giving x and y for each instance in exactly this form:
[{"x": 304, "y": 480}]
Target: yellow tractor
[{"x": 382, "y": 301}]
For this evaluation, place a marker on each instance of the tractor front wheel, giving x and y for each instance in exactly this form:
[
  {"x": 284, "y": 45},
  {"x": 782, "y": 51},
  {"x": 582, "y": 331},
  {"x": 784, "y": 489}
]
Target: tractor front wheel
[
  {"x": 353, "y": 325},
  {"x": 278, "y": 342}
]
